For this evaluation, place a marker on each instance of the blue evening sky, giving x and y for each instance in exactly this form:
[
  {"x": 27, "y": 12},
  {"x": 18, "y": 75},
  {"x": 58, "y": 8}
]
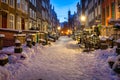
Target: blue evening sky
[{"x": 62, "y": 7}]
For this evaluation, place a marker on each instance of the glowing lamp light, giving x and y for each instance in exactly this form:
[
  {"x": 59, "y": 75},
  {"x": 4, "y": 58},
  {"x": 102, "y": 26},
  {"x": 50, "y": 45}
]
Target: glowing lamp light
[
  {"x": 83, "y": 18},
  {"x": 59, "y": 28}
]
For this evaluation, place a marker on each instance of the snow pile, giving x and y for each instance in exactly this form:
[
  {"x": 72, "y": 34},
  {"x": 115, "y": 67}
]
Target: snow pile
[
  {"x": 118, "y": 41},
  {"x": 3, "y": 56},
  {"x": 17, "y": 41},
  {"x": 103, "y": 38},
  {"x": 28, "y": 39},
  {"x": 60, "y": 61},
  {"x": 111, "y": 37},
  {"x": 4, "y": 74},
  {"x": 111, "y": 59},
  {"x": 19, "y": 34}
]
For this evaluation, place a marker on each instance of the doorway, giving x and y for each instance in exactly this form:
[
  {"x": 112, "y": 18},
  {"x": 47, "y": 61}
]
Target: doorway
[
  {"x": 4, "y": 20},
  {"x": 23, "y": 24}
]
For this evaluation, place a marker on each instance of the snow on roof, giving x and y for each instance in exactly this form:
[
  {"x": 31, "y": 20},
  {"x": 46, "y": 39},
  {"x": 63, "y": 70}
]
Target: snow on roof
[
  {"x": 117, "y": 24},
  {"x": 32, "y": 34},
  {"x": 118, "y": 41},
  {"x": 28, "y": 39},
  {"x": 19, "y": 34},
  {"x": 112, "y": 20},
  {"x": 3, "y": 56},
  {"x": 2, "y": 35},
  {"x": 17, "y": 41},
  {"x": 7, "y": 29},
  {"x": 103, "y": 38},
  {"x": 118, "y": 58},
  {"x": 30, "y": 31},
  {"x": 112, "y": 58},
  {"x": 111, "y": 37}
]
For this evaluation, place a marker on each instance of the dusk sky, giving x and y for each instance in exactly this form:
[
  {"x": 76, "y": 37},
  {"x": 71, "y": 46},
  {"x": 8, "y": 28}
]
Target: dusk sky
[{"x": 62, "y": 7}]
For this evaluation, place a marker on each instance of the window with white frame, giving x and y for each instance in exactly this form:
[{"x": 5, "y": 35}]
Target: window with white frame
[
  {"x": 11, "y": 3},
  {"x": 11, "y": 21},
  {"x": 19, "y": 23},
  {"x": 18, "y": 4},
  {"x": 35, "y": 15},
  {"x": 30, "y": 12},
  {"x": 35, "y": 3},
  {"x": 26, "y": 7},
  {"x": 5, "y": 1}
]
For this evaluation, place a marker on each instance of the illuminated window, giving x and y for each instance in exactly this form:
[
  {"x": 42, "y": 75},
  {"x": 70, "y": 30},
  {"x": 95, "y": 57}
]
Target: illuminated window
[
  {"x": 19, "y": 23},
  {"x": 11, "y": 21}
]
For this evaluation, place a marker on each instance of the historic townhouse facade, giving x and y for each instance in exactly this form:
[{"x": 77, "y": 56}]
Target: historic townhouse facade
[
  {"x": 14, "y": 14},
  {"x": 110, "y": 13},
  {"x": 101, "y": 13},
  {"x": 54, "y": 19},
  {"x": 27, "y": 14},
  {"x": 93, "y": 12},
  {"x": 39, "y": 15},
  {"x": 32, "y": 14},
  {"x": 44, "y": 15}
]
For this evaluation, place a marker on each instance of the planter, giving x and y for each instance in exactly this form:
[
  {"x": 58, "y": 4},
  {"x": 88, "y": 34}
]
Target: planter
[
  {"x": 3, "y": 59},
  {"x": 118, "y": 51},
  {"x": 33, "y": 43},
  {"x": 17, "y": 44},
  {"x": 1, "y": 41},
  {"x": 29, "y": 43},
  {"x": 18, "y": 50},
  {"x": 118, "y": 45},
  {"x": 103, "y": 46},
  {"x": 111, "y": 63},
  {"x": 117, "y": 69},
  {"x": 20, "y": 37}
]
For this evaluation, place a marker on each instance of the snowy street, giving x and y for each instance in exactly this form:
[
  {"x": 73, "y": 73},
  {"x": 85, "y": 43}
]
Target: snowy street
[{"x": 62, "y": 60}]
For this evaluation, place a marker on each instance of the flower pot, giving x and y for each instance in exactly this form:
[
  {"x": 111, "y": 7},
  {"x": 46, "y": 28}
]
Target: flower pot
[
  {"x": 18, "y": 50},
  {"x": 118, "y": 45},
  {"x": 33, "y": 43},
  {"x": 3, "y": 59},
  {"x": 29, "y": 43},
  {"x": 17, "y": 44},
  {"x": 118, "y": 51},
  {"x": 111, "y": 63},
  {"x": 103, "y": 46},
  {"x": 117, "y": 69}
]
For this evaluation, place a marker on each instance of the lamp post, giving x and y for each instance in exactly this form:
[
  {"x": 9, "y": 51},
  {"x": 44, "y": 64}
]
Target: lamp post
[
  {"x": 59, "y": 28},
  {"x": 83, "y": 20}
]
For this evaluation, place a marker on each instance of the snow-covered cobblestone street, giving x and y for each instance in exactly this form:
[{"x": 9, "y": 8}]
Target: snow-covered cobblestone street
[{"x": 62, "y": 60}]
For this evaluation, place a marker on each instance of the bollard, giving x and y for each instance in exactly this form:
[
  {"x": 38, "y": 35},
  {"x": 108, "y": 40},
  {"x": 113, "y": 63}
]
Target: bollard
[
  {"x": 3, "y": 59},
  {"x": 29, "y": 43},
  {"x": 1, "y": 41},
  {"x": 118, "y": 47},
  {"x": 18, "y": 48}
]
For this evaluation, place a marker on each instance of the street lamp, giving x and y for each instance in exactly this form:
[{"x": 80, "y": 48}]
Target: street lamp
[
  {"x": 59, "y": 28},
  {"x": 83, "y": 18},
  {"x": 86, "y": 42}
]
